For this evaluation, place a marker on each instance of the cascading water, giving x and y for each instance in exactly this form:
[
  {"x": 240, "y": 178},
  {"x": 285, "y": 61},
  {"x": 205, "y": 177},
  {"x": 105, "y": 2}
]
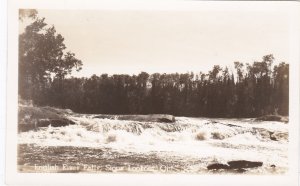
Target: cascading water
[{"x": 185, "y": 140}]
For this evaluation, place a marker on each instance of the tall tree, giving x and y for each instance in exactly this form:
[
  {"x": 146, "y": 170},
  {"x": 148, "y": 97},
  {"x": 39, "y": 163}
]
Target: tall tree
[{"x": 42, "y": 54}]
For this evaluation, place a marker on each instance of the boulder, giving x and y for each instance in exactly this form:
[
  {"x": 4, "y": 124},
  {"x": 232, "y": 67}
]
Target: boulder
[
  {"x": 217, "y": 166},
  {"x": 240, "y": 164},
  {"x": 279, "y": 136},
  {"x": 33, "y": 117},
  {"x": 275, "y": 136},
  {"x": 44, "y": 123},
  {"x": 264, "y": 133},
  {"x": 59, "y": 122},
  {"x": 273, "y": 118},
  {"x": 166, "y": 118}
]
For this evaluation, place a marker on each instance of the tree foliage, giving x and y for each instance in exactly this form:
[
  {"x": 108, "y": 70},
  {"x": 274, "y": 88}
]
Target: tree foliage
[
  {"x": 258, "y": 90},
  {"x": 42, "y": 55}
]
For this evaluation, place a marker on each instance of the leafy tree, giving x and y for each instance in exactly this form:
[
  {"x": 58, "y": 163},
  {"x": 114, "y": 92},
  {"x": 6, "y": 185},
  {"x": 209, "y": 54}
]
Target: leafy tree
[{"x": 41, "y": 55}]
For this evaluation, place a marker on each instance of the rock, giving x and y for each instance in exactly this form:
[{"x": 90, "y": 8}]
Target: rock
[
  {"x": 60, "y": 122},
  {"x": 149, "y": 118},
  {"x": 264, "y": 133},
  {"x": 273, "y": 166},
  {"x": 33, "y": 117},
  {"x": 105, "y": 116},
  {"x": 275, "y": 136},
  {"x": 26, "y": 127},
  {"x": 35, "y": 124},
  {"x": 285, "y": 119},
  {"x": 217, "y": 166},
  {"x": 42, "y": 123},
  {"x": 231, "y": 125},
  {"x": 279, "y": 136},
  {"x": 241, "y": 170},
  {"x": 240, "y": 164},
  {"x": 272, "y": 118},
  {"x": 217, "y": 135},
  {"x": 165, "y": 118}
]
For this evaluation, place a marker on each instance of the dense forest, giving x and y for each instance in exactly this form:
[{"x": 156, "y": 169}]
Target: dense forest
[{"x": 250, "y": 90}]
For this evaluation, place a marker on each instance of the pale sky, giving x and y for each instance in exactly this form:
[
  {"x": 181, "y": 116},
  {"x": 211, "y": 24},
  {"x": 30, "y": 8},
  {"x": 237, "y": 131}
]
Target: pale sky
[{"x": 131, "y": 41}]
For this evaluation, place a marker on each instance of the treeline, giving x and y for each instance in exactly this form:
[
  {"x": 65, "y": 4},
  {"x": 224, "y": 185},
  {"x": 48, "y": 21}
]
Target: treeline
[
  {"x": 251, "y": 90},
  {"x": 257, "y": 89}
]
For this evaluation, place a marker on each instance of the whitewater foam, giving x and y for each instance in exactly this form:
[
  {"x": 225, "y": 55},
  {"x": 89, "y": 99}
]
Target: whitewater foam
[{"x": 229, "y": 138}]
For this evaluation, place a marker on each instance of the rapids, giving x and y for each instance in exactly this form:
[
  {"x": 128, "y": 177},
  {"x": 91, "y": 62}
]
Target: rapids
[{"x": 212, "y": 140}]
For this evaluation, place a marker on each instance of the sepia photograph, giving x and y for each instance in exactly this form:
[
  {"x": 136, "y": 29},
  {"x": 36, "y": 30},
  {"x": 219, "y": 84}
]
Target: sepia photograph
[{"x": 159, "y": 91}]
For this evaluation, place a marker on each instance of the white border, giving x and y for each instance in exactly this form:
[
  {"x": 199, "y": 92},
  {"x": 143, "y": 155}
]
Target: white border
[
  {"x": 15, "y": 178},
  {"x": 3, "y": 55}
]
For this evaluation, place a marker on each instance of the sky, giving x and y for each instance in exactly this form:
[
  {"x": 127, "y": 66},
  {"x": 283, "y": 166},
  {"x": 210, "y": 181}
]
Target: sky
[{"x": 131, "y": 41}]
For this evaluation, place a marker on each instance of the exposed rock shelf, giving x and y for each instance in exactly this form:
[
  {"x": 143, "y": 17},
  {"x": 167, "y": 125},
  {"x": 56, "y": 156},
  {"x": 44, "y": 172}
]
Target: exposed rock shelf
[
  {"x": 239, "y": 165},
  {"x": 31, "y": 118},
  {"x": 142, "y": 118}
]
